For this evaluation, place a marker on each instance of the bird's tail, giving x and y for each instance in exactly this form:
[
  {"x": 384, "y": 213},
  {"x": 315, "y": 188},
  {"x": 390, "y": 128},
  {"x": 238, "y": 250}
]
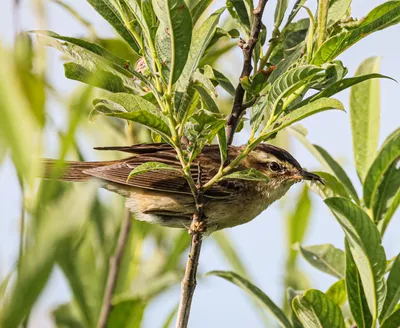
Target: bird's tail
[{"x": 69, "y": 170}]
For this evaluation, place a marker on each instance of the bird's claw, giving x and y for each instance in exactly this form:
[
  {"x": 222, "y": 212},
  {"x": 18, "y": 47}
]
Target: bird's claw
[{"x": 197, "y": 227}]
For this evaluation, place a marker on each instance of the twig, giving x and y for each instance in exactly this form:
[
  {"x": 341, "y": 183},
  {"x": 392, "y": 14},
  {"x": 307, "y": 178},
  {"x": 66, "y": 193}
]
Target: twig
[
  {"x": 189, "y": 280},
  {"x": 237, "y": 109},
  {"x": 113, "y": 271}
]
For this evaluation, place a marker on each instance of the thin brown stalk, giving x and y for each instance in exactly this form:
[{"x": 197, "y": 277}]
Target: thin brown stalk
[
  {"x": 189, "y": 280},
  {"x": 247, "y": 47},
  {"x": 115, "y": 264}
]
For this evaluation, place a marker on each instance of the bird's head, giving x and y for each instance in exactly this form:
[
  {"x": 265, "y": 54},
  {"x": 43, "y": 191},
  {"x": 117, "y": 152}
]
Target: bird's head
[{"x": 279, "y": 166}]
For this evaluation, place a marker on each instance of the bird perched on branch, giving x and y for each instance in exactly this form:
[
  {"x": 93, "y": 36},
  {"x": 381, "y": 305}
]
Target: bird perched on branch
[{"x": 164, "y": 197}]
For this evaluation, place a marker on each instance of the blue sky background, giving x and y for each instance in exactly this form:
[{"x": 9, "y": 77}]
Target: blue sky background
[{"x": 260, "y": 243}]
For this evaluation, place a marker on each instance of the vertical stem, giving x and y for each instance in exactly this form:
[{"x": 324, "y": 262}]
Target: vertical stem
[
  {"x": 189, "y": 280},
  {"x": 115, "y": 262},
  {"x": 323, "y": 6}
]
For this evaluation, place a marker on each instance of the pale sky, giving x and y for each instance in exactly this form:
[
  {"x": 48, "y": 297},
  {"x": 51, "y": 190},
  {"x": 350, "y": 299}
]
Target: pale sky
[{"x": 261, "y": 242}]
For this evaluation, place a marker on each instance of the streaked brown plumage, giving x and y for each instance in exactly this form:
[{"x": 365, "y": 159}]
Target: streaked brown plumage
[{"x": 164, "y": 197}]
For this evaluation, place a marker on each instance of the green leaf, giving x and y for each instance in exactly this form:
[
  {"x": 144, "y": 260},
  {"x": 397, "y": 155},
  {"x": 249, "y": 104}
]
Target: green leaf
[
  {"x": 199, "y": 9},
  {"x": 133, "y": 108},
  {"x": 219, "y": 78},
  {"x": 387, "y": 198},
  {"x": 289, "y": 82},
  {"x": 332, "y": 187},
  {"x": 337, "y": 11},
  {"x": 255, "y": 292},
  {"x": 150, "y": 166},
  {"x": 393, "y": 321},
  {"x": 127, "y": 314},
  {"x": 383, "y": 16},
  {"x": 340, "y": 86},
  {"x": 93, "y": 58},
  {"x": 366, "y": 247},
  {"x": 393, "y": 291},
  {"x": 290, "y": 295},
  {"x": 388, "y": 154},
  {"x": 201, "y": 38},
  {"x": 365, "y": 116},
  {"x": 280, "y": 10},
  {"x": 297, "y": 223},
  {"x": 326, "y": 258},
  {"x": 249, "y": 174},
  {"x": 337, "y": 292},
  {"x": 316, "y": 310},
  {"x": 334, "y": 72},
  {"x": 317, "y": 106},
  {"x": 173, "y": 36},
  {"x": 98, "y": 78},
  {"x": 355, "y": 292},
  {"x": 327, "y": 162},
  {"x": 111, "y": 14},
  {"x": 237, "y": 9},
  {"x": 66, "y": 315},
  {"x": 257, "y": 113}
]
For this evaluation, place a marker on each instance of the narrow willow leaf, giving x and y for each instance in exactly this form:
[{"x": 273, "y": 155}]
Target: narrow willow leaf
[
  {"x": 201, "y": 38},
  {"x": 111, "y": 14},
  {"x": 280, "y": 10},
  {"x": 388, "y": 154},
  {"x": 366, "y": 247},
  {"x": 225, "y": 244},
  {"x": 383, "y": 16},
  {"x": 173, "y": 36},
  {"x": 365, "y": 116},
  {"x": 199, "y": 9},
  {"x": 326, "y": 258},
  {"x": 255, "y": 292},
  {"x": 93, "y": 58},
  {"x": 237, "y": 9},
  {"x": 337, "y": 11},
  {"x": 393, "y": 290},
  {"x": 257, "y": 113},
  {"x": 340, "y": 86},
  {"x": 65, "y": 315},
  {"x": 316, "y": 310},
  {"x": 98, "y": 78},
  {"x": 297, "y": 223},
  {"x": 332, "y": 187},
  {"x": 290, "y": 81},
  {"x": 336, "y": 169},
  {"x": 386, "y": 198},
  {"x": 249, "y": 174},
  {"x": 355, "y": 292},
  {"x": 393, "y": 321},
  {"x": 134, "y": 108},
  {"x": 202, "y": 79},
  {"x": 290, "y": 295},
  {"x": 337, "y": 292},
  {"x": 334, "y": 72},
  {"x": 150, "y": 166},
  {"x": 326, "y": 161},
  {"x": 127, "y": 314},
  {"x": 317, "y": 106},
  {"x": 219, "y": 78}
]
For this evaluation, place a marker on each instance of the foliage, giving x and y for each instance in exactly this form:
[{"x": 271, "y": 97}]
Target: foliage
[{"x": 162, "y": 85}]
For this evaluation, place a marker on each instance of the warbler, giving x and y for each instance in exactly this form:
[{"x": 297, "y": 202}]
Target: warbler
[{"x": 164, "y": 197}]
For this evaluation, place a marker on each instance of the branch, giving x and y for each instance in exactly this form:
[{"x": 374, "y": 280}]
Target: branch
[
  {"x": 115, "y": 263},
  {"x": 189, "y": 280},
  {"x": 237, "y": 109}
]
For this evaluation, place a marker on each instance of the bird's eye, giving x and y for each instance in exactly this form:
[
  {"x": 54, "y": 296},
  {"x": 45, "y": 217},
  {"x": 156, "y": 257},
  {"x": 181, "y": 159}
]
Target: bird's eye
[{"x": 274, "y": 166}]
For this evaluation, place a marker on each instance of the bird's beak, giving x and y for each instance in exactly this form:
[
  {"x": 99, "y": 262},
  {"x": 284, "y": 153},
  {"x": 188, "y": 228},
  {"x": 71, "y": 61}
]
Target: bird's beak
[
  {"x": 312, "y": 177},
  {"x": 304, "y": 175}
]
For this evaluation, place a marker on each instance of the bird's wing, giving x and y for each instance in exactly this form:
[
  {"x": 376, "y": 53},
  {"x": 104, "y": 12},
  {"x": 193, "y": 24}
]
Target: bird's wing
[{"x": 160, "y": 180}]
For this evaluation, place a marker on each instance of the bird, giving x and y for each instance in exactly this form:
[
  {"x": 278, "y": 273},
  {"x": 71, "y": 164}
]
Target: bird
[{"x": 164, "y": 197}]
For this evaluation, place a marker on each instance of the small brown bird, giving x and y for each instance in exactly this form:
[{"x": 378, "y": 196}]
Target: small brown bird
[{"x": 163, "y": 196}]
